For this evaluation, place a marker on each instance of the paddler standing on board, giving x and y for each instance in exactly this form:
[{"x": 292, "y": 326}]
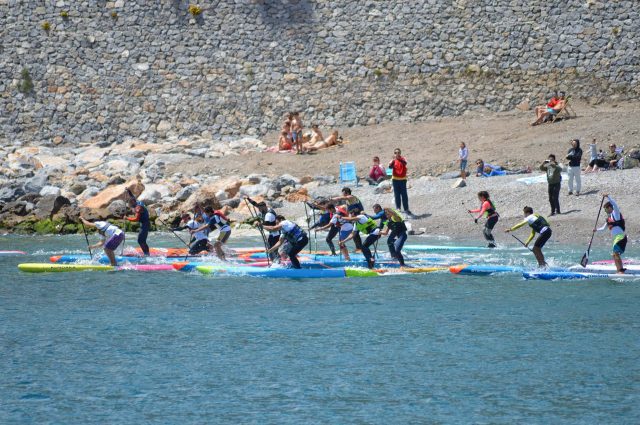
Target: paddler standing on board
[
  {"x": 364, "y": 224},
  {"x": 141, "y": 216},
  {"x": 292, "y": 234},
  {"x": 539, "y": 225},
  {"x": 615, "y": 223},
  {"x": 111, "y": 238},
  {"x": 488, "y": 209},
  {"x": 215, "y": 219},
  {"x": 393, "y": 225}
]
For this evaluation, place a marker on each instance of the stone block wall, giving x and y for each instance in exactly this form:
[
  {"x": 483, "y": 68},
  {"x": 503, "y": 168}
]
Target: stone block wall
[{"x": 107, "y": 70}]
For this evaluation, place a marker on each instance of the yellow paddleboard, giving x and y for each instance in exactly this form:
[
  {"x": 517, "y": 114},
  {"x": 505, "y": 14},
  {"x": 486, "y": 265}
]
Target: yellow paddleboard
[{"x": 48, "y": 267}]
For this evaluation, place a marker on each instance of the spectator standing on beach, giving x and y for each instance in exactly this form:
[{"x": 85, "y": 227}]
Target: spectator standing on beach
[
  {"x": 377, "y": 173},
  {"x": 296, "y": 130},
  {"x": 463, "y": 155},
  {"x": 574, "y": 156},
  {"x": 398, "y": 167},
  {"x": 554, "y": 179}
]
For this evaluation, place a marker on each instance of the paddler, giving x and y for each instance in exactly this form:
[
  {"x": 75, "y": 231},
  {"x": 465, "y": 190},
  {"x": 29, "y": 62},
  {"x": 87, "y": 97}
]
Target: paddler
[
  {"x": 141, "y": 216},
  {"x": 268, "y": 217},
  {"x": 488, "y": 210},
  {"x": 216, "y": 220},
  {"x": 111, "y": 236},
  {"x": 293, "y": 235},
  {"x": 352, "y": 203},
  {"x": 393, "y": 224},
  {"x": 539, "y": 225},
  {"x": 342, "y": 226},
  {"x": 366, "y": 225},
  {"x": 616, "y": 224},
  {"x": 200, "y": 241}
]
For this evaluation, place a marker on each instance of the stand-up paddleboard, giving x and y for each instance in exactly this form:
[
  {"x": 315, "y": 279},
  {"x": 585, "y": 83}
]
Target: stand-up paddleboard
[
  {"x": 59, "y": 268},
  {"x": 11, "y": 253},
  {"x": 606, "y": 268},
  {"x": 561, "y": 275},
  {"x": 403, "y": 270},
  {"x": 427, "y": 248},
  {"x": 484, "y": 270},
  {"x": 286, "y": 273}
]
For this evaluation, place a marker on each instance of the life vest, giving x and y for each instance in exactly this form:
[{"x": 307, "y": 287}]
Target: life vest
[
  {"x": 611, "y": 222},
  {"x": 357, "y": 204},
  {"x": 144, "y": 214},
  {"x": 396, "y": 224},
  {"x": 367, "y": 227},
  {"x": 293, "y": 235},
  {"x": 491, "y": 210},
  {"x": 217, "y": 220},
  {"x": 539, "y": 223}
]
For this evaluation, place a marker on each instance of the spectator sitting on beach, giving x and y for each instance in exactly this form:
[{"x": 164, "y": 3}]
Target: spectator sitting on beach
[
  {"x": 488, "y": 170},
  {"x": 377, "y": 173},
  {"x": 551, "y": 111},
  {"x": 316, "y": 134},
  {"x": 539, "y": 110},
  {"x": 284, "y": 143},
  {"x": 332, "y": 140},
  {"x": 610, "y": 160}
]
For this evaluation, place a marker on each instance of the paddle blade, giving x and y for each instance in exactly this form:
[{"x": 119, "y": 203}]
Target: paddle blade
[{"x": 584, "y": 260}]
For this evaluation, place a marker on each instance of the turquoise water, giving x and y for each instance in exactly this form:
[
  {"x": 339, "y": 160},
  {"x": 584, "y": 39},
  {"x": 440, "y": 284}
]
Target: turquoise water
[{"x": 126, "y": 347}]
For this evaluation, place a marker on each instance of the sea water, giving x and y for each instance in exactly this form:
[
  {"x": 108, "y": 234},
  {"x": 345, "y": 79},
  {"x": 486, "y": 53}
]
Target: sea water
[{"x": 171, "y": 347}]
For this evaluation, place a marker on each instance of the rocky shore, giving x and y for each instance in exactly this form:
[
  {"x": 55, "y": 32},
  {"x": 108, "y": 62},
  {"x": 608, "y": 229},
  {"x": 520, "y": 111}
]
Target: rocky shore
[{"x": 44, "y": 188}]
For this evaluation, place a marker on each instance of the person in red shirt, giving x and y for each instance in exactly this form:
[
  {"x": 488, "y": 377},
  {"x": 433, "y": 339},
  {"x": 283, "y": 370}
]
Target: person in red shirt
[
  {"x": 377, "y": 173},
  {"x": 398, "y": 167},
  {"x": 488, "y": 210}
]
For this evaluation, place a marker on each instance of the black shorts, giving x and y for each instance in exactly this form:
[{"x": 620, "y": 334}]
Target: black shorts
[{"x": 543, "y": 238}]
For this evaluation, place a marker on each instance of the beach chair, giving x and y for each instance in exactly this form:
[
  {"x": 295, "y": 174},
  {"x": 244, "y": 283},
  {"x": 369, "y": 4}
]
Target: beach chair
[
  {"x": 565, "y": 113},
  {"x": 348, "y": 173}
]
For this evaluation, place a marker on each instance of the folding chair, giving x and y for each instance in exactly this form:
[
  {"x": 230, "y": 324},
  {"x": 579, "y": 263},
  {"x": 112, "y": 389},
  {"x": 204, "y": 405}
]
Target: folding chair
[
  {"x": 348, "y": 173},
  {"x": 565, "y": 113}
]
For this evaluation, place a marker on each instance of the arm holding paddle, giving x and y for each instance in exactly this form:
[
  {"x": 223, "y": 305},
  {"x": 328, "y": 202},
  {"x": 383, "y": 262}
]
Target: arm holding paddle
[
  {"x": 519, "y": 225},
  {"x": 90, "y": 224}
]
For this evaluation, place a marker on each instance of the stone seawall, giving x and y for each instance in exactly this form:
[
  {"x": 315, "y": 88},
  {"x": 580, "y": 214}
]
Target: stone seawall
[{"x": 81, "y": 71}]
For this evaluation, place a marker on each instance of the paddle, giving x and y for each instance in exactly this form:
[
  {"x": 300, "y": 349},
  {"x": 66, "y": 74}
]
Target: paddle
[
  {"x": 523, "y": 244},
  {"x": 306, "y": 214},
  {"x": 469, "y": 212},
  {"x": 254, "y": 215},
  {"x": 585, "y": 258},
  {"x": 86, "y": 237},
  {"x": 170, "y": 229}
]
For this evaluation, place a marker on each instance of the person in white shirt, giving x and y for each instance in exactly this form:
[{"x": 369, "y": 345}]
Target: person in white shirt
[{"x": 111, "y": 237}]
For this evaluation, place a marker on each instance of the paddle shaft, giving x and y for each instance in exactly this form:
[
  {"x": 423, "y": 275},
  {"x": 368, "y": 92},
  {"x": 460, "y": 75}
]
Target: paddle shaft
[
  {"x": 254, "y": 215},
  {"x": 174, "y": 233},
  {"x": 519, "y": 240},
  {"x": 86, "y": 237},
  {"x": 585, "y": 257}
]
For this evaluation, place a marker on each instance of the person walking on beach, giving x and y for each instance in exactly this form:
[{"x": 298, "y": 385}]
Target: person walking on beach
[
  {"x": 574, "y": 156},
  {"x": 539, "y": 225},
  {"x": 398, "y": 167},
  {"x": 554, "y": 179},
  {"x": 463, "y": 156},
  {"x": 292, "y": 234},
  {"x": 488, "y": 209},
  {"x": 616, "y": 224},
  {"x": 141, "y": 216},
  {"x": 111, "y": 236}
]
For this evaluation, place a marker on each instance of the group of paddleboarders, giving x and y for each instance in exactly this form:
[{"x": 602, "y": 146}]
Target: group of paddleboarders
[
  {"x": 342, "y": 216},
  {"x": 540, "y": 225}
]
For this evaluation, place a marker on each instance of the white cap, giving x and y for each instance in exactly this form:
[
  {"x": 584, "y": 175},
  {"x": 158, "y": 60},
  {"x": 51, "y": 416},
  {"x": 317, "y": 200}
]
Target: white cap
[{"x": 101, "y": 225}]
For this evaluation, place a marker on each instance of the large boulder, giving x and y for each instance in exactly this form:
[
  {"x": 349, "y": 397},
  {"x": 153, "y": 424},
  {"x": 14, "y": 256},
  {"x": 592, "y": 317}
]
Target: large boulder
[
  {"x": 117, "y": 208},
  {"x": 36, "y": 183},
  {"x": 154, "y": 193},
  {"x": 254, "y": 190},
  {"x": 285, "y": 180},
  {"x": 48, "y": 205},
  {"x": 112, "y": 193},
  {"x": 7, "y": 193},
  {"x": 184, "y": 193}
]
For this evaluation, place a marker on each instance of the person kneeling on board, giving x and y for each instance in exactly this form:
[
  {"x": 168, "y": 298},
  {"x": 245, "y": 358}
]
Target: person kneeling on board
[
  {"x": 615, "y": 223},
  {"x": 367, "y": 225},
  {"x": 110, "y": 238},
  {"x": 538, "y": 224},
  {"x": 292, "y": 234}
]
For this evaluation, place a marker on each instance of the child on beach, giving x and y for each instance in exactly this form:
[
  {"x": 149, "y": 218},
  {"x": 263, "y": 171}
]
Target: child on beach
[
  {"x": 463, "y": 155},
  {"x": 296, "y": 130},
  {"x": 377, "y": 173}
]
